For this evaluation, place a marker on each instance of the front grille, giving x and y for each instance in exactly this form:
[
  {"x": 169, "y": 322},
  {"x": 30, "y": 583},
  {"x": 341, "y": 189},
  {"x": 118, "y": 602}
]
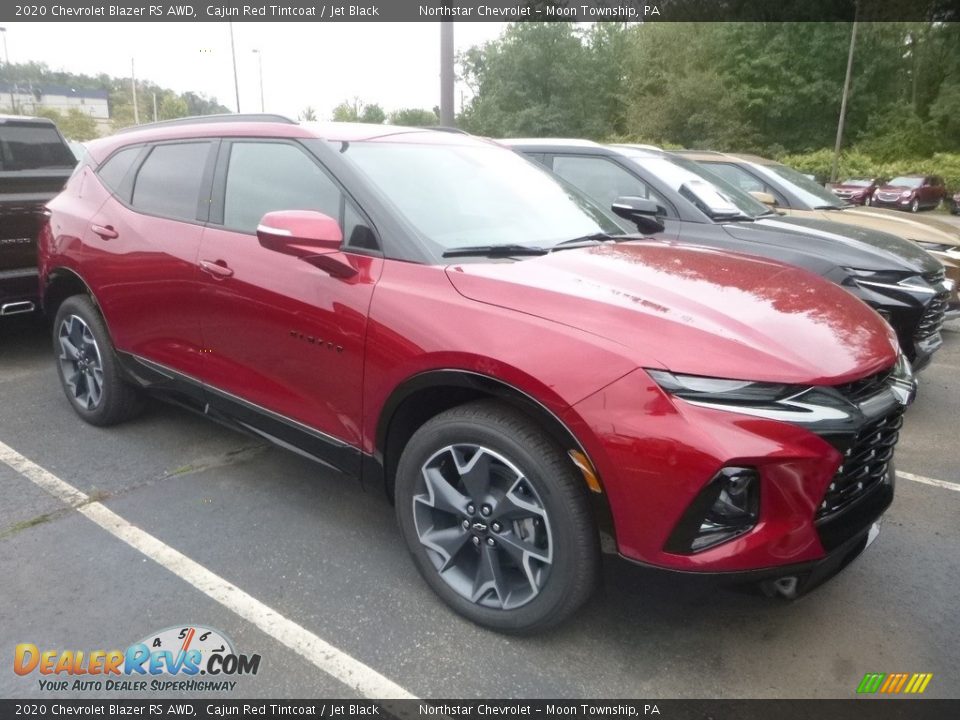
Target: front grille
[
  {"x": 865, "y": 463},
  {"x": 865, "y": 387},
  {"x": 888, "y": 197},
  {"x": 932, "y": 319}
]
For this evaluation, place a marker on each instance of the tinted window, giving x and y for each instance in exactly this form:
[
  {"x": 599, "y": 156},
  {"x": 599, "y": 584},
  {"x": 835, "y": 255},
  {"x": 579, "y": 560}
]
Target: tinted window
[
  {"x": 263, "y": 177},
  {"x": 737, "y": 177},
  {"x": 115, "y": 169},
  {"x": 169, "y": 180},
  {"x": 356, "y": 231},
  {"x": 602, "y": 180},
  {"x": 30, "y": 147}
]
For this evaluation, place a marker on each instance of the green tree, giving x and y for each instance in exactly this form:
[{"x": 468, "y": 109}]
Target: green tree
[
  {"x": 414, "y": 117},
  {"x": 373, "y": 114},
  {"x": 308, "y": 114},
  {"x": 347, "y": 111},
  {"x": 78, "y": 125}
]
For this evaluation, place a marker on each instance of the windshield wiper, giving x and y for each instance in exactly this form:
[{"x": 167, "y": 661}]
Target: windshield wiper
[
  {"x": 584, "y": 241},
  {"x": 832, "y": 207},
  {"x": 732, "y": 217},
  {"x": 494, "y": 251}
]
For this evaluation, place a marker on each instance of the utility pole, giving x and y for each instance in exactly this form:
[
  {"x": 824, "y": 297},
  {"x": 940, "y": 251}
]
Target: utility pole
[
  {"x": 843, "y": 100},
  {"x": 233, "y": 54},
  {"x": 260, "y": 67},
  {"x": 133, "y": 90},
  {"x": 447, "y": 118},
  {"x": 154, "y": 107}
]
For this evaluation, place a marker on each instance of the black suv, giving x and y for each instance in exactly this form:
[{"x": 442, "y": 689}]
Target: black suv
[
  {"x": 35, "y": 162},
  {"x": 899, "y": 280}
]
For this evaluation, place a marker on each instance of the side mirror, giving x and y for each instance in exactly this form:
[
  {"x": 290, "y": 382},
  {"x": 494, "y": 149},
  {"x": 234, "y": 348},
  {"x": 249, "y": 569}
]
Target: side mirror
[
  {"x": 300, "y": 233},
  {"x": 764, "y": 197},
  {"x": 311, "y": 236},
  {"x": 640, "y": 211}
]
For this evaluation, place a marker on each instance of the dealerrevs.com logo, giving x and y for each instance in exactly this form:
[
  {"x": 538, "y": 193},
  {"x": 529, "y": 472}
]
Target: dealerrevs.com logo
[{"x": 191, "y": 658}]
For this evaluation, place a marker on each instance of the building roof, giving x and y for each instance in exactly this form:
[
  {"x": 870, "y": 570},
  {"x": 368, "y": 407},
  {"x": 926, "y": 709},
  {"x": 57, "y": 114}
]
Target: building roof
[{"x": 50, "y": 89}]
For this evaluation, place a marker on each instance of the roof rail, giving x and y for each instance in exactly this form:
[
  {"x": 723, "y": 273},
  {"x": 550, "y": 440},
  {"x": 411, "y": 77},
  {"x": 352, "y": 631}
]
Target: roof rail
[
  {"x": 222, "y": 118},
  {"x": 445, "y": 128}
]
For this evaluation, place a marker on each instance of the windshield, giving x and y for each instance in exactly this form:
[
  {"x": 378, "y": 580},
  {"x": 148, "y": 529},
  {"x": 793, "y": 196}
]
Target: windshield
[
  {"x": 472, "y": 195},
  {"x": 910, "y": 182},
  {"x": 799, "y": 184},
  {"x": 714, "y": 195},
  {"x": 857, "y": 182}
]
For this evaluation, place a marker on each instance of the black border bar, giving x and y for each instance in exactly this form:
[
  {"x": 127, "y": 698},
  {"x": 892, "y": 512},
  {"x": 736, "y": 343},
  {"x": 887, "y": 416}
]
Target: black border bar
[{"x": 480, "y": 10}]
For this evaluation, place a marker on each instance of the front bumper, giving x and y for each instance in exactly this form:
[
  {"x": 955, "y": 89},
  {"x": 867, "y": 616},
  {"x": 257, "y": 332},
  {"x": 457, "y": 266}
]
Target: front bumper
[{"x": 655, "y": 454}]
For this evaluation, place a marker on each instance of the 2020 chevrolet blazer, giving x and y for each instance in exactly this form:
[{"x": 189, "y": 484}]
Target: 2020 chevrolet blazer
[{"x": 430, "y": 310}]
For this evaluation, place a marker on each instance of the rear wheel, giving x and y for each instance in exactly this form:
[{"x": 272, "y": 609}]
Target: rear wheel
[
  {"x": 496, "y": 518},
  {"x": 87, "y": 365}
]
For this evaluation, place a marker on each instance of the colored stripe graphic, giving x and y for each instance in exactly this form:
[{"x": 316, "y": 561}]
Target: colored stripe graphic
[{"x": 894, "y": 683}]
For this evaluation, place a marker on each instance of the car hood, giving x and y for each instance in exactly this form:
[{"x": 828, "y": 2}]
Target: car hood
[
  {"x": 694, "y": 310},
  {"x": 853, "y": 246},
  {"x": 896, "y": 188},
  {"x": 911, "y": 227}
]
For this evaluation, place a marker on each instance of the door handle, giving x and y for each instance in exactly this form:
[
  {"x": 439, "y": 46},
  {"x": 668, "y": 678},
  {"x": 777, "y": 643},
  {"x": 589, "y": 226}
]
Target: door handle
[
  {"x": 105, "y": 231},
  {"x": 217, "y": 268}
]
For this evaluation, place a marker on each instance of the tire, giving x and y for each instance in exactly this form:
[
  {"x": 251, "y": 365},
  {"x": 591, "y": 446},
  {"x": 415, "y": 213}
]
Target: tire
[
  {"x": 915, "y": 205},
  {"x": 490, "y": 463},
  {"x": 87, "y": 365},
  {"x": 867, "y": 201}
]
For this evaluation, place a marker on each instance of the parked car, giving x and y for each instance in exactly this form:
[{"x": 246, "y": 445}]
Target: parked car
[
  {"x": 856, "y": 190},
  {"x": 788, "y": 191},
  {"x": 431, "y": 311},
  {"x": 35, "y": 161},
  {"x": 902, "y": 282},
  {"x": 911, "y": 192}
]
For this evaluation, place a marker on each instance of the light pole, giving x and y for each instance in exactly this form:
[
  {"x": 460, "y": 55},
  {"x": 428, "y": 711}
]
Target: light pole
[
  {"x": 259, "y": 54},
  {"x": 6, "y": 55},
  {"x": 233, "y": 54},
  {"x": 447, "y": 117}
]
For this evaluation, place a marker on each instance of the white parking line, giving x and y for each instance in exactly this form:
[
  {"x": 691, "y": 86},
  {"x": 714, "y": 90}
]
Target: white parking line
[
  {"x": 323, "y": 655},
  {"x": 929, "y": 481}
]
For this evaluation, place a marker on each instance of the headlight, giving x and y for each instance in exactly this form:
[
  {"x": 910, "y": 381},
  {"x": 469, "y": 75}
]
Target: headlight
[
  {"x": 906, "y": 193},
  {"x": 696, "y": 387},
  {"x": 891, "y": 279}
]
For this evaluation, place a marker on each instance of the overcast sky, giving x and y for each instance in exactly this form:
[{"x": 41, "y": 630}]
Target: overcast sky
[{"x": 304, "y": 63}]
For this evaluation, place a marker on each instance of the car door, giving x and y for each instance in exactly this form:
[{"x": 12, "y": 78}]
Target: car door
[
  {"x": 603, "y": 180},
  {"x": 284, "y": 339},
  {"x": 142, "y": 245}
]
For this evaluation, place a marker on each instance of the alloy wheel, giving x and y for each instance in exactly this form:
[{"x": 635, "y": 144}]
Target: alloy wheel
[
  {"x": 81, "y": 364},
  {"x": 484, "y": 526},
  {"x": 915, "y": 205}
]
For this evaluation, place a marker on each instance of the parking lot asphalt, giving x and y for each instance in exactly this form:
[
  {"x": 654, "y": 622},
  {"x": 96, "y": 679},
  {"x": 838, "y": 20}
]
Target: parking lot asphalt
[{"x": 325, "y": 554}]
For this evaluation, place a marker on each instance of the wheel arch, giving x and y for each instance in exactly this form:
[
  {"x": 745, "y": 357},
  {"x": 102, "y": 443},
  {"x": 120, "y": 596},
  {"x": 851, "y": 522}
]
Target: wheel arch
[
  {"x": 60, "y": 284},
  {"x": 427, "y": 394}
]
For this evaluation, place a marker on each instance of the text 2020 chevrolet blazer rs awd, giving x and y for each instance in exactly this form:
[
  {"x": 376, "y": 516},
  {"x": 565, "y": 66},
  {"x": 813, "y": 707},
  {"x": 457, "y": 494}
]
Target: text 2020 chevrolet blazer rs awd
[{"x": 430, "y": 309}]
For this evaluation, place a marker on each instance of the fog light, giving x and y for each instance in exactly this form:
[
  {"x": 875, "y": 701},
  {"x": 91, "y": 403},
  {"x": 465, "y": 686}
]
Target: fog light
[{"x": 727, "y": 507}]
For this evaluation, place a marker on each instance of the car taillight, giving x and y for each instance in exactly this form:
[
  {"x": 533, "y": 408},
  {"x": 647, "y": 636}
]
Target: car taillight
[{"x": 728, "y": 506}]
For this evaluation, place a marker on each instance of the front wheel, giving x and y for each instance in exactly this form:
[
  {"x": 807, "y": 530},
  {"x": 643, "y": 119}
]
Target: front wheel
[
  {"x": 496, "y": 518},
  {"x": 868, "y": 201},
  {"x": 915, "y": 205},
  {"x": 87, "y": 365}
]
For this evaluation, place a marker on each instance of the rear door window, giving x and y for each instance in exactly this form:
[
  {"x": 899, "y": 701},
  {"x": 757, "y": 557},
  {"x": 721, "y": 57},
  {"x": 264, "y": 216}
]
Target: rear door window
[
  {"x": 115, "y": 169},
  {"x": 170, "y": 180}
]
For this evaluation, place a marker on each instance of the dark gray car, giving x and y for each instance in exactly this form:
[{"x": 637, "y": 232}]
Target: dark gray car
[{"x": 902, "y": 282}]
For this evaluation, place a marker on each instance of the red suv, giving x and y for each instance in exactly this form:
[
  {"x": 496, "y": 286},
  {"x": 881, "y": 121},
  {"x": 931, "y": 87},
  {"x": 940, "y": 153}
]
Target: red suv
[
  {"x": 911, "y": 192},
  {"x": 430, "y": 310}
]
